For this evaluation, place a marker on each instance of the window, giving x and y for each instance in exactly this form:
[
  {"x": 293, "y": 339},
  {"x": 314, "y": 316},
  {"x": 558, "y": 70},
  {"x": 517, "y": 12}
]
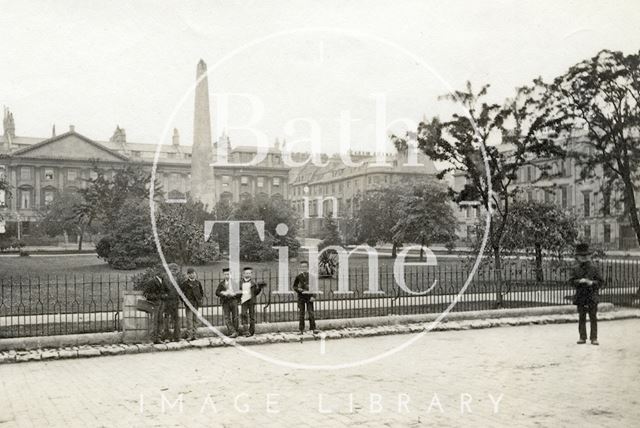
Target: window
[
  {"x": 48, "y": 197},
  {"x": 564, "y": 168},
  {"x": 548, "y": 196},
  {"x": 260, "y": 182},
  {"x": 225, "y": 180},
  {"x": 276, "y": 181},
  {"x": 25, "y": 173},
  {"x": 529, "y": 173},
  {"x": 607, "y": 233},
  {"x": 586, "y": 206},
  {"x": 25, "y": 199},
  {"x": 3, "y": 198},
  {"x": 606, "y": 202},
  {"x": 48, "y": 174},
  {"x": 72, "y": 175},
  {"x": 244, "y": 180},
  {"x": 469, "y": 232},
  {"x": 530, "y": 195},
  {"x": 587, "y": 233},
  {"x": 564, "y": 195}
]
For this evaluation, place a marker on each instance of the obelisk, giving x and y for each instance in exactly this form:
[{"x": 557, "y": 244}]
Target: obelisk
[{"x": 202, "y": 178}]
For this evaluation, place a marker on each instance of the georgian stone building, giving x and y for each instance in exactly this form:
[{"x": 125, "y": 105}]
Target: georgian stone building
[
  {"x": 334, "y": 187},
  {"x": 38, "y": 168},
  {"x": 601, "y": 214}
]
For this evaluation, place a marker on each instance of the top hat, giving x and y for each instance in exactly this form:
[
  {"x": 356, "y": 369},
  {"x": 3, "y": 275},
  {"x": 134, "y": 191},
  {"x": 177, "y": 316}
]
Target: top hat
[{"x": 582, "y": 250}]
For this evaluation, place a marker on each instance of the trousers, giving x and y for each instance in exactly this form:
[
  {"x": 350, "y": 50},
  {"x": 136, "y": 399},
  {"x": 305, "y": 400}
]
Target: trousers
[
  {"x": 304, "y": 304},
  {"x": 592, "y": 310},
  {"x": 248, "y": 317}
]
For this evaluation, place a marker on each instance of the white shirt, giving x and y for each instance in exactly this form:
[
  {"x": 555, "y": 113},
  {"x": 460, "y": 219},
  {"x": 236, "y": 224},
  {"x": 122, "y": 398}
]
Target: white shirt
[{"x": 246, "y": 291}]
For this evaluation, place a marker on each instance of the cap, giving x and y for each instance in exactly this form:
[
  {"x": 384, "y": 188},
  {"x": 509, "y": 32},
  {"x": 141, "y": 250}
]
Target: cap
[
  {"x": 247, "y": 268},
  {"x": 191, "y": 270},
  {"x": 582, "y": 250},
  {"x": 225, "y": 269}
]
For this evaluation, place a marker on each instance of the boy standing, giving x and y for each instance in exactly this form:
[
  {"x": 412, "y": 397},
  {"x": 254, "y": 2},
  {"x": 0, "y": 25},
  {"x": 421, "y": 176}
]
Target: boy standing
[
  {"x": 171, "y": 302},
  {"x": 228, "y": 295},
  {"x": 305, "y": 298},
  {"x": 587, "y": 281},
  {"x": 249, "y": 290},
  {"x": 193, "y": 291}
]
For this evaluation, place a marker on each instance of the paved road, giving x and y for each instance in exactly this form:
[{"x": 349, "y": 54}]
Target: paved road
[{"x": 537, "y": 375}]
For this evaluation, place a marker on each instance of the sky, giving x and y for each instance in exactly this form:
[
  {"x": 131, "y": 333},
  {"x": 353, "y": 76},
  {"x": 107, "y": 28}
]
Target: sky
[{"x": 284, "y": 65}]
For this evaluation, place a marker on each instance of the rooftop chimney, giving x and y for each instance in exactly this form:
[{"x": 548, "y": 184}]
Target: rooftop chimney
[
  {"x": 72, "y": 128},
  {"x": 176, "y": 137}
]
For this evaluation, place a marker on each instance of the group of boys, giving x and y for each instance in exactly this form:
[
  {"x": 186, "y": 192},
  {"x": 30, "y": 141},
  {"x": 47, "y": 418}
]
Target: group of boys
[
  {"x": 165, "y": 319},
  {"x": 244, "y": 292}
]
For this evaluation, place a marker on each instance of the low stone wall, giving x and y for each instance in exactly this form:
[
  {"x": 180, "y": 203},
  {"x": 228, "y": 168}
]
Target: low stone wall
[{"x": 136, "y": 331}]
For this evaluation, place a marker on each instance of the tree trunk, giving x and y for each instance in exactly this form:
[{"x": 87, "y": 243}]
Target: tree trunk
[
  {"x": 631, "y": 206},
  {"x": 422, "y": 249},
  {"x": 539, "y": 272},
  {"x": 394, "y": 250},
  {"x": 80, "y": 238},
  {"x": 498, "y": 276}
]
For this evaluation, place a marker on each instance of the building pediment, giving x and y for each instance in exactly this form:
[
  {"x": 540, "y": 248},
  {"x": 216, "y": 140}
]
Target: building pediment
[{"x": 72, "y": 146}]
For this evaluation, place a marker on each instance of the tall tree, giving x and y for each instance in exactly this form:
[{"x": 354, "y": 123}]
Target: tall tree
[
  {"x": 60, "y": 216},
  {"x": 602, "y": 95},
  {"x": 510, "y": 135},
  {"x": 330, "y": 233},
  {"x": 378, "y": 211},
  {"x": 427, "y": 217},
  {"x": 179, "y": 228},
  {"x": 105, "y": 193},
  {"x": 538, "y": 227}
]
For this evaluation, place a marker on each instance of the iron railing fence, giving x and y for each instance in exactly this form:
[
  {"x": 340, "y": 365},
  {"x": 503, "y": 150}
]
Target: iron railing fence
[{"x": 37, "y": 306}]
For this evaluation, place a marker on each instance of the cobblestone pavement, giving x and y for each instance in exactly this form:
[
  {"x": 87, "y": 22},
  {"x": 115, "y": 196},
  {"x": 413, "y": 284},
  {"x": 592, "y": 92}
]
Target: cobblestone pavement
[{"x": 532, "y": 375}]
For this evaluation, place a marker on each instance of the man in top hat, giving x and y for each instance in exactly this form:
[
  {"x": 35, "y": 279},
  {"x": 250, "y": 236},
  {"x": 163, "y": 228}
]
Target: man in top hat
[
  {"x": 587, "y": 281},
  {"x": 228, "y": 295},
  {"x": 193, "y": 291},
  {"x": 249, "y": 290}
]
